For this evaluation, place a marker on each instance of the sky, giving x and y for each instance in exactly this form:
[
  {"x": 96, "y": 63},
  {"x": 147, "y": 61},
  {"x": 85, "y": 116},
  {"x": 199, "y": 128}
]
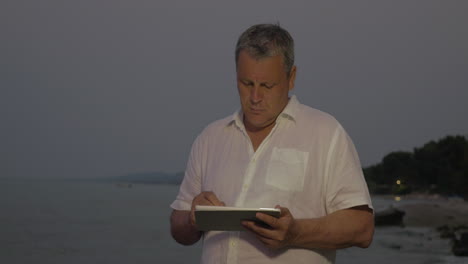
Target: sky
[{"x": 105, "y": 88}]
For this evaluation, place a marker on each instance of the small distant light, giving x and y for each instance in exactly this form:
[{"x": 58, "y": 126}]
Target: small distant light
[
  {"x": 398, "y": 182},
  {"x": 397, "y": 198}
]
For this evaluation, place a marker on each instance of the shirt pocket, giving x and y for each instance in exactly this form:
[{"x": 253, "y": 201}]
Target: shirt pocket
[{"x": 287, "y": 168}]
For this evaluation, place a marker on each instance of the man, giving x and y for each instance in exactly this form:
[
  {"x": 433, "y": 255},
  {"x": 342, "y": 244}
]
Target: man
[{"x": 274, "y": 152}]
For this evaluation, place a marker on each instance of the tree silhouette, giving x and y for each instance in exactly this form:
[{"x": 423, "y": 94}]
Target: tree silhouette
[{"x": 438, "y": 166}]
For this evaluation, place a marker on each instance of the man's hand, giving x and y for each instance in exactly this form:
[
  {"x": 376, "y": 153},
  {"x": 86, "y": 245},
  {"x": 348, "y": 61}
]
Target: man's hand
[
  {"x": 204, "y": 198},
  {"x": 282, "y": 233},
  {"x": 341, "y": 229},
  {"x": 183, "y": 225}
]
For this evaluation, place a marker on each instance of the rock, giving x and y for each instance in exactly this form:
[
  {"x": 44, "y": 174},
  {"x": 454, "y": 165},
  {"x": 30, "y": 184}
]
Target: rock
[
  {"x": 389, "y": 216},
  {"x": 459, "y": 237},
  {"x": 446, "y": 232},
  {"x": 395, "y": 246},
  {"x": 460, "y": 246}
]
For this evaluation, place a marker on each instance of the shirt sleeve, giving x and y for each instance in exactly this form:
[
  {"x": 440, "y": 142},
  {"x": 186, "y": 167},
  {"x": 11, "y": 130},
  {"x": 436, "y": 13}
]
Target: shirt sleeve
[
  {"x": 191, "y": 184},
  {"x": 346, "y": 186}
]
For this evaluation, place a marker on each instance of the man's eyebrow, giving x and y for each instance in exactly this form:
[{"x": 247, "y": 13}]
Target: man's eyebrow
[
  {"x": 245, "y": 80},
  {"x": 248, "y": 80},
  {"x": 265, "y": 83}
]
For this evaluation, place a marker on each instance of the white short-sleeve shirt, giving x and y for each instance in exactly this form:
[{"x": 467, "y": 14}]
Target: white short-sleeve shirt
[{"x": 307, "y": 163}]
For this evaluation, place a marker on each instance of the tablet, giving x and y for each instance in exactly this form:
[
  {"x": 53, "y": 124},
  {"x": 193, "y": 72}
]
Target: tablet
[{"x": 224, "y": 218}]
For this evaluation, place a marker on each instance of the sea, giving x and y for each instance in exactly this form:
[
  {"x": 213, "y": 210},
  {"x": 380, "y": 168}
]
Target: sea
[{"x": 65, "y": 221}]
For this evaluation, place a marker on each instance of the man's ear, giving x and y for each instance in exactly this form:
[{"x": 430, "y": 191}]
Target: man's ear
[{"x": 292, "y": 78}]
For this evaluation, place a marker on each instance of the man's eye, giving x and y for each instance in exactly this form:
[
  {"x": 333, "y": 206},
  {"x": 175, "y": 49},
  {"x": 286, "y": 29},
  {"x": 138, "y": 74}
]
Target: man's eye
[{"x": 268, "y": 86}]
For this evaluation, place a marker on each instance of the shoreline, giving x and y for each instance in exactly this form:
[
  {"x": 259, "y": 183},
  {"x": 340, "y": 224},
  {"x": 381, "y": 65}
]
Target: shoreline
[
  {"x": 420, "y": 239},
  {"x": 433, "y": 211}
]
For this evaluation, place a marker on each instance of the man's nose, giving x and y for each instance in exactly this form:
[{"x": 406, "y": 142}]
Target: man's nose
[{"x": 256, "y": 95}]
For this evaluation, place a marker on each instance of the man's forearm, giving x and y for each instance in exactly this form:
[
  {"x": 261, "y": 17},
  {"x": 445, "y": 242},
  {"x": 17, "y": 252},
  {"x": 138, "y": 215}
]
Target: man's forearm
[
  {"x": 341, "y": 229},
  {"x": 182, "y": 230}
]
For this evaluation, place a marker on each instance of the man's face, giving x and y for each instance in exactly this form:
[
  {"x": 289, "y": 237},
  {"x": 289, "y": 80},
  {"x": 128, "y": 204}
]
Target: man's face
[{"x": 263, "y": 89}]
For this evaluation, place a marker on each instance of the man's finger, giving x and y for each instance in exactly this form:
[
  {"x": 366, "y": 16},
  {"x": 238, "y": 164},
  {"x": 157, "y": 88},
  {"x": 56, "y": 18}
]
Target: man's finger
[
  {"x": 213, "y": 199},
  {"x": 284, "y": 210},
  {"x": 271, "y": 243},
  {"x": 260, "y": 231},
  {"x": 268, "y": 219}
]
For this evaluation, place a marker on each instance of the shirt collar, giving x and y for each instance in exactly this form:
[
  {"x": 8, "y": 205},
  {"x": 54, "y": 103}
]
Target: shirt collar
[{"x": 289, "y": 112}]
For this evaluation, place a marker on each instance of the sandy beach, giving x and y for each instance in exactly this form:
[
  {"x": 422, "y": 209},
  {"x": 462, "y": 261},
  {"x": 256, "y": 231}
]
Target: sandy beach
[
  {"x": 433, "y": 211},
  {"x": 417, "y": 241}
]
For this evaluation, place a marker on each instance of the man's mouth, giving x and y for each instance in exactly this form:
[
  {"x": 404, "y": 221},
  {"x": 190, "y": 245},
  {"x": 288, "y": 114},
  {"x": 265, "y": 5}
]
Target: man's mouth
[{"x": 256, "y": 110}]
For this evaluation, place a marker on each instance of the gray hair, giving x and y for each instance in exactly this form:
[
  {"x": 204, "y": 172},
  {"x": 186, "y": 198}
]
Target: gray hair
[{"x": 267, "y": 40}]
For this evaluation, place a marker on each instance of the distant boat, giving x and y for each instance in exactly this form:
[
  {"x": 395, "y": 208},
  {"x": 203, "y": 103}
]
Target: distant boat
[
  {"x": 389, "y": 216},
  {"x": 124, "y": 185}
]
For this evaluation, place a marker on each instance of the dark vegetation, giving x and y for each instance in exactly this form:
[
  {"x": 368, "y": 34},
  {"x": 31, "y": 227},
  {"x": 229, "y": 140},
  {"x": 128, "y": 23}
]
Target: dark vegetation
[{"x": 437, "y": 167}]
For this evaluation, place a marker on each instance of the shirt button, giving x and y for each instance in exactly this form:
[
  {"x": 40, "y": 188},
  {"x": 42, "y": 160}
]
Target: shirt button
[
  {"x": 233, "y": 243},
  {"x": 245, "y": 187}
]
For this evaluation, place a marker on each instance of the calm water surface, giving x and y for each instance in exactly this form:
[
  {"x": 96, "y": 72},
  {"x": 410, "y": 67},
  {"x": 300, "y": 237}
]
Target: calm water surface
[
  {"x": 94, "y": 222},
  {"x": 87, "y": 222}
]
